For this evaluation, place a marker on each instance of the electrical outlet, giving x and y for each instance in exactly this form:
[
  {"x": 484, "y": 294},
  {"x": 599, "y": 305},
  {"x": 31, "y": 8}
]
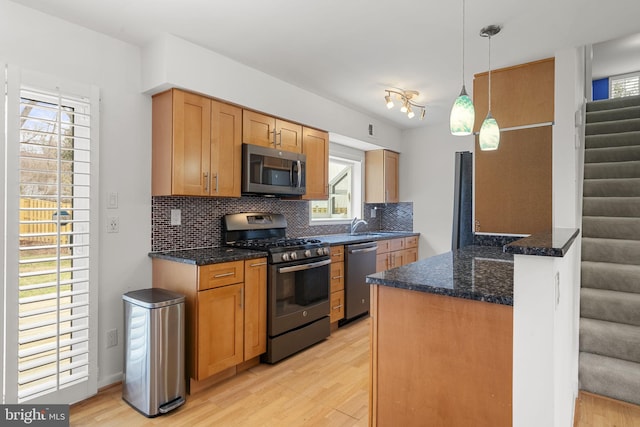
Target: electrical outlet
[
  {"x": 176, "y": 217},
  {"x": 112, "y": 338},
  {"x": 373, "y": 212},
  {"x": 113, "y": 225}
]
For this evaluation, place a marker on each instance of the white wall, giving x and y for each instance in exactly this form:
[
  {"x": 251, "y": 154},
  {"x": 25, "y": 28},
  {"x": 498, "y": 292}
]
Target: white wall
[
  {"x": 35, "y": 41},
  {"x": 427, "y": 166}
]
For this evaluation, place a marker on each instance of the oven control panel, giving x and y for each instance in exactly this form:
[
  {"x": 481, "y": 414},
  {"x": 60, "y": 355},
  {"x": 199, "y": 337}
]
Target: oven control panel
[{"x": 289, "y": 255}]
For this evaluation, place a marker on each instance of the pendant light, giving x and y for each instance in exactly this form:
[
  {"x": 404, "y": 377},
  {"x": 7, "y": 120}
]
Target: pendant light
[
  {"x": 462, "y": 113},
  {"x": 489, "y": 131}
]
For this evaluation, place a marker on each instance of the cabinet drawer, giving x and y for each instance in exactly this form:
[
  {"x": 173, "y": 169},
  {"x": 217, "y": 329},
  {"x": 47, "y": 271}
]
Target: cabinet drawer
[
  {"x": 411, "y": 242},
  {"x": 383, "y": 246},
  {"x": 337, "y": 306},
  {"x": 396, "y": 244},
  {"x": 337, "y": 276},
  {"x": 216, "y": 275},
  {"x": 337, "y": 253}
]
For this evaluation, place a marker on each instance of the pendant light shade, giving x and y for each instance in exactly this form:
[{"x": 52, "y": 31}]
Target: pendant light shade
[
  {"x": 489, "y": 138},
  {"x": 463, "y": 114},
  {"x": 489, "y": 134}
]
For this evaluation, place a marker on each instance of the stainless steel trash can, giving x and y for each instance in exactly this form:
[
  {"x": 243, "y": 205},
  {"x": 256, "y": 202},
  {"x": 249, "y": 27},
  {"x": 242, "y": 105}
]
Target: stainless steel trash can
[{"x": 154, "y": 373}]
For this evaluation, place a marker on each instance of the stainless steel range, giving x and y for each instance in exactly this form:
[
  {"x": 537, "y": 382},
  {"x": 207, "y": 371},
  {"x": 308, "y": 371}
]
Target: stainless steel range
[{"x": 297, "y": 281}]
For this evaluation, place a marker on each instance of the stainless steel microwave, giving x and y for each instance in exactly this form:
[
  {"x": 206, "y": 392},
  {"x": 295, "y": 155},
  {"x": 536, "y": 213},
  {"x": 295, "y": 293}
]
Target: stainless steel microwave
[{"x": 271, "y": 171}]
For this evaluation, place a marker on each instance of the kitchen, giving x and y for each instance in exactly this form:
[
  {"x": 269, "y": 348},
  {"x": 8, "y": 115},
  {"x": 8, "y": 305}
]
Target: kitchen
[{"x": 115, "y": 67}]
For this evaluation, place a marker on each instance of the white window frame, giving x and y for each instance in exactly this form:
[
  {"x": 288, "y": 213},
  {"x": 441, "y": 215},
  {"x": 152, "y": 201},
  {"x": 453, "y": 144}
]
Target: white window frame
[
  {"x": 16, "y": 79},
  {"x": 342, "y": 152},
  {"x": 615, "y": 79}
]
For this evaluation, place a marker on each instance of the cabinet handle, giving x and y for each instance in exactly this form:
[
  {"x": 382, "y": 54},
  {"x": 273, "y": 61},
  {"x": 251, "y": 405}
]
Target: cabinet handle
[
  {"x": 258, "y": 264},
  {"x": 275, "y": 140},
  {"x": 337, "y": 307},
  {"x": 216, "y": 177},
  {"x": 217, "y": 276},
  {"x": 338, "y": 254},
  {"x": 242, "y": 297},
  {"x": 337, "y": 277},
  {"x": 386, "y": 195},
  {"x": 205, "y": 176}
]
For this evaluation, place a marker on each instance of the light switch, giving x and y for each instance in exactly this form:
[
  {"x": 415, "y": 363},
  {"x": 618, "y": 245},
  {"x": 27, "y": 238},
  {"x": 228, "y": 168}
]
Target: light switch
[{"x": 112, "y": 200}]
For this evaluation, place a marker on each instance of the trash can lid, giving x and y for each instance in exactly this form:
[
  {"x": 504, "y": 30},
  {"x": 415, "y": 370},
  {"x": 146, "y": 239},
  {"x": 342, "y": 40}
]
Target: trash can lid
[{"x": 153, "y": 297}]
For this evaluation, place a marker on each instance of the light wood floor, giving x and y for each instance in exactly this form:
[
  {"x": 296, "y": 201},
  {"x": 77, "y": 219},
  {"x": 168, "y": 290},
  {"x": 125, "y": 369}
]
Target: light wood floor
[
  {"x": 598, "y": 411},
  {"x": 326, "y": 385}
]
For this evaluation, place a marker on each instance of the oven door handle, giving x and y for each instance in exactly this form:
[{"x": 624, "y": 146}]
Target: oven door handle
[{"x": 303, "y": 266}]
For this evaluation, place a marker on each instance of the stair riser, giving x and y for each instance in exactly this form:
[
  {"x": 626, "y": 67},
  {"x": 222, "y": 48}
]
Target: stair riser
[
  {"x": 609, "y": 104},
  {"x": 628, "y": 187},
  {"x": 610, "y": 339},
  {"x": 614, "y": 114},
  {"x": 615, "y": 378},
  {"x": 612, "y": 140},
  {"x": 629, "y": 125},
  {"x": 611, "y": 250},
  {"x": 610, "y": 306},
  {"x": 615, "y": 277},
  {"x": 611, "y": 206},
  {"x": 612, "y": 170},
  {"x": 611, "y": 228},
  {"x": 613, "y": 154}
]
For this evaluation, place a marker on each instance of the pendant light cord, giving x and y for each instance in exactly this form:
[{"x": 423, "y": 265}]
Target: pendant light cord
[
  {"x": 463, "y": 42},
  {"x": 489, "y": 74}
]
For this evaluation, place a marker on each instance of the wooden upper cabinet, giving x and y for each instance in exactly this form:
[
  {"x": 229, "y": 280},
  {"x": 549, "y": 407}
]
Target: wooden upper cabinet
[
  {"x": 261, "y": 129},
  {"x": 315, "y": 145},
  {"x": 381, "y": 176},
  {"x": 513, "y": 184},
  {"x": 226, "y": 150},
  {"x": 196, "y": 146},
  {"x": 520, "y": 95}
]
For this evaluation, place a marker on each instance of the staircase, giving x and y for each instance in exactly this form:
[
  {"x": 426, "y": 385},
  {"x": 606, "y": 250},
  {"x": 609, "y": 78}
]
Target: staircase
[{"x": 610, "y": 293}]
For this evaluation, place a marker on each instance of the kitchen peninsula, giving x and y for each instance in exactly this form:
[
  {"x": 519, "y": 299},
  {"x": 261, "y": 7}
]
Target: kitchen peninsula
[{"x": 443, "y": 335}]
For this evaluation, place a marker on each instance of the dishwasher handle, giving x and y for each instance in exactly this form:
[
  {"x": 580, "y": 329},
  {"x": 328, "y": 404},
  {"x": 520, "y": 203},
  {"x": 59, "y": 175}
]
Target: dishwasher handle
[{"x": 359, "y": 251}]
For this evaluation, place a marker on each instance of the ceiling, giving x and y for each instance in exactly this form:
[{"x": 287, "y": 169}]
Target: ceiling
[{"x": 349, "y": 51}]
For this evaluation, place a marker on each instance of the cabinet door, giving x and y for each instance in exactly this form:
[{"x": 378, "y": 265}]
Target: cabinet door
[
  {"x": 382, "y": 262},
  {"x": 220, "y": 318},
  {"x": 288, "y": 136},
  {"x": 409, "y": 255},
  {"x": 315, "y": 144},
  {"x": 191, "y": 143},
  {"x": 255, "y": 307},
  {"x": 226, "y": 150},
  {"x": 258, "y": 129},
  {"x": 337, "y": 276},
  {"x": 391, "y": 170},
  {"x": 337, "y": 306}
]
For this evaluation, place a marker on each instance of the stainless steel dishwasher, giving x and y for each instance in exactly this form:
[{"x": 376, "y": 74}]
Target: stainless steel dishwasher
[{"x": 360, "y": 261}]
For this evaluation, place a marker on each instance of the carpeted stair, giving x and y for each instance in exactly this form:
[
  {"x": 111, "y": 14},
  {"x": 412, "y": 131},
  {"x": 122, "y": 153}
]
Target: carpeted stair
[{"x": 610, "y": 294}]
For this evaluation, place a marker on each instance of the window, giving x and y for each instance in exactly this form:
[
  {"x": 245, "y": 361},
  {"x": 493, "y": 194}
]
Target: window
[
  {"x": 51, "y": 262},
  {"x": 345, "y": 187},
  {"x": 625, "y": 85}
]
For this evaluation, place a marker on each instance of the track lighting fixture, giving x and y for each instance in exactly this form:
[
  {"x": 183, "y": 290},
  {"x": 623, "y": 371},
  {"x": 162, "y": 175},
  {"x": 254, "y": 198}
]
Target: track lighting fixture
[{"x": 406, "y": 98}]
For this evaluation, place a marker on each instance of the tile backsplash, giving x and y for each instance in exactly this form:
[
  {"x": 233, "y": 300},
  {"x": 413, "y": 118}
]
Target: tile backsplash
[{"x": 201, "y": 219}]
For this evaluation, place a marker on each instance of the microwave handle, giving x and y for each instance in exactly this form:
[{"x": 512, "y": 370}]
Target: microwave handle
[{"x": 299, "y": 173}]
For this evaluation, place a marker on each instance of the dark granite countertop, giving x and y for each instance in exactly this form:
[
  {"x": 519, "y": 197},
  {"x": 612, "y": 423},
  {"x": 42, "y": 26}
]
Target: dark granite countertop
[
  {"x": 482, "y": 273},
  {"x": 554, "y": 243},
  {"x": 204, "y": 256},
  {"x": 346, "y": 238}
]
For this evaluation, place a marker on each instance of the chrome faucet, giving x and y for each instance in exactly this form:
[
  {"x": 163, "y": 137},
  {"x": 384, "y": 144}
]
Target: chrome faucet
[{"x": 355, "y": 223}]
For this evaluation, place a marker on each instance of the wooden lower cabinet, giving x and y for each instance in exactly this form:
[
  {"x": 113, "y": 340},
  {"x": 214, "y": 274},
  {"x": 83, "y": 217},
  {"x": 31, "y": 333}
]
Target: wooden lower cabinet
[
  {"x": 220, "y": 322},
  {"x": 337, "y": 283},
  {"x": 439, "y": 360},
  {"x": 394, "y": 253},
  {"x": 225, "y": 316}
]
